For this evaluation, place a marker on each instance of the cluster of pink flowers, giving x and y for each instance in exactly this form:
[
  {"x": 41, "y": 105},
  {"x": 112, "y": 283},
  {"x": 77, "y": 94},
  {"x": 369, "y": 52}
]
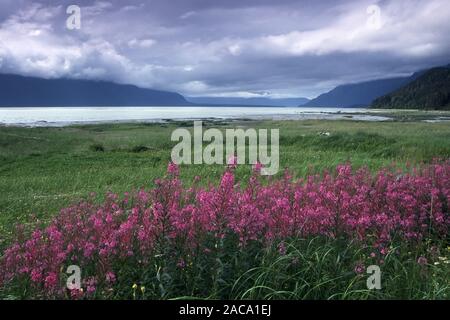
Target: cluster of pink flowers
[{"x": 345, "y": 204}]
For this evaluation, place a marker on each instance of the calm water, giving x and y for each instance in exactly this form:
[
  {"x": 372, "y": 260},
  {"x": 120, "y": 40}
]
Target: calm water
[{"x": 79, "y": 115}]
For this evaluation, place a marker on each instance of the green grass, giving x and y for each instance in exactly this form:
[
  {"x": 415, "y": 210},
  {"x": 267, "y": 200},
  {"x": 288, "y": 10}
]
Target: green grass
[
  {"x": 320, "y": 268},
  {"x": 45, "y": 169}
]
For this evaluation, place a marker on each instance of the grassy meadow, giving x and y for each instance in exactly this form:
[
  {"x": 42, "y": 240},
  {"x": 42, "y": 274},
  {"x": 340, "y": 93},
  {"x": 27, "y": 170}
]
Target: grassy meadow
[{"x": 44, "y": 169}]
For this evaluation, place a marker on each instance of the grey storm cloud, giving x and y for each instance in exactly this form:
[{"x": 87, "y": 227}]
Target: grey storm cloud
[{"x": 280, "y": 48}]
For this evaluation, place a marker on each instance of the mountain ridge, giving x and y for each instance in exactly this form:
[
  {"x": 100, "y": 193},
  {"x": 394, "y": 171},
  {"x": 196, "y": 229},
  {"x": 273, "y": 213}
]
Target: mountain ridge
[
  {"x": 24, "y": 91},
  {"x": 431, "y": 90},
  {"x": 359, "y": 94}
]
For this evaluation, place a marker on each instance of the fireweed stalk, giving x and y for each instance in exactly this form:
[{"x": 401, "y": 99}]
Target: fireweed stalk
[{"x": 172, "y": 223}]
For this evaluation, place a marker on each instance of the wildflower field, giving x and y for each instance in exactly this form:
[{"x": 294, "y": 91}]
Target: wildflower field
[{"x": 107, "y": 199}]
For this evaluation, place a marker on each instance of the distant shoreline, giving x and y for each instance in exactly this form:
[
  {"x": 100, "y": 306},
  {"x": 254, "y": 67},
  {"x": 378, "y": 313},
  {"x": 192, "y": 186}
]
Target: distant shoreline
[
  {"x": 60, "y": 117},
  {"x": 74, "y": 116}
]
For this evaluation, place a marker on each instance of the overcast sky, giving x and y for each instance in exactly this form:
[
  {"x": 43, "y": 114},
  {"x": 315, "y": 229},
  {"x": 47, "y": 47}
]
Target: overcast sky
[{"x": 279, "y": 48}]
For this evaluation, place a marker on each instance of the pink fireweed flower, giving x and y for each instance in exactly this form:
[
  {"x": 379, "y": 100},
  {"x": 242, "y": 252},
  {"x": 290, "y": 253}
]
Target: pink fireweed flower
[
  {"x": 110, "y": 277},
  {"x": 359, "y": 268},
  {"x": 422, "y": 261},
  {"x": 257, "y": 167},
  {"x": 173, "y": 169},
  {"x": 51, "y": 280},
  {"x": 373, "y": 209},
  {"x": 282, "y": 248},
  {"x": 232, "y": 161},
  {"x": 181, "y": 264}
]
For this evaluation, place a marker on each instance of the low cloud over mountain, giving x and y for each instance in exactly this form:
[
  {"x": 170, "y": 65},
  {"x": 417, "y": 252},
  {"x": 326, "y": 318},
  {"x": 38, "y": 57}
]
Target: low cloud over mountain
[{"x": 285, "y": 48}]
